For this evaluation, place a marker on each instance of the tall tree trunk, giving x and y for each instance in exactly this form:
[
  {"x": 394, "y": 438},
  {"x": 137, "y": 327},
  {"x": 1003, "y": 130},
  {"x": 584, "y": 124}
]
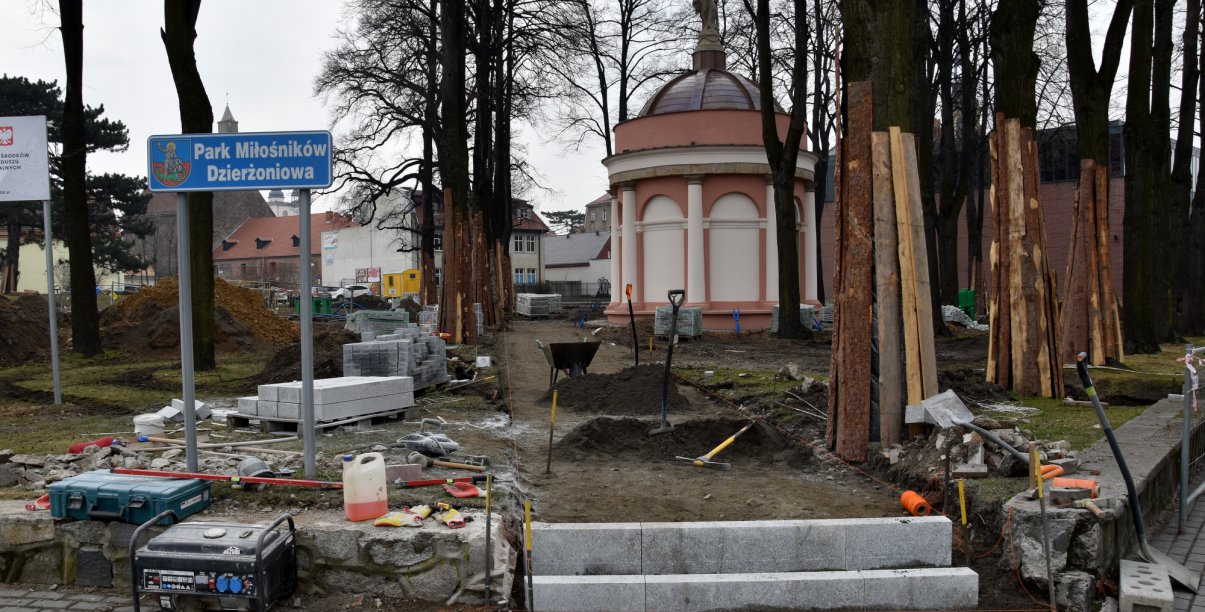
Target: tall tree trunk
[
  {"x": 196, "y": 117},
  {"x": 85, "y": 326},
  {"x": 924, "y": 108},
  {"x": 456, "y": 309},
  {"x": 1147, "y": 314},
  {"x": 1196, "y": 250},
  {"x": 430, "y": 288},
  {"x": 1181, "y": 177}
]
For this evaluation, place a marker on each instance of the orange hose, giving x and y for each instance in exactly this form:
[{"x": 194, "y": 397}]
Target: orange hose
[
  {"x": 915, "y": 504},
  {"x": 1050, "y": 471},
  {"x": 1077, "y": 483}
]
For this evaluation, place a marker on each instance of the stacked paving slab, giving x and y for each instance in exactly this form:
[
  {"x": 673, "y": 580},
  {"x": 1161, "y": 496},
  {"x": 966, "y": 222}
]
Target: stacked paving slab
[
  {"x": 690, "y": 321},
  {"x": 408, "y": 351},
  {"x": 853, "y": 564},
  {"x": 335, "y": 399},
  {"x": 537, "y": 304}
]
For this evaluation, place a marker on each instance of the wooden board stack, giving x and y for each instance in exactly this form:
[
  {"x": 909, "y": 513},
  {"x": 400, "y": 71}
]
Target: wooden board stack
[
  {"x": 1023, "y": 352},
  {"x": 881, "y": 252}
]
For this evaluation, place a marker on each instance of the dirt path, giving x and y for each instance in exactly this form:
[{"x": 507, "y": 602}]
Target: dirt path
[{"x": 609, "y": 469}]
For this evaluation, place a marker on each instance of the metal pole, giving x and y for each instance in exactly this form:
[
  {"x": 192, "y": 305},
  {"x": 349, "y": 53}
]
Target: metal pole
[
  {"x": 184, "y": 277},
  {"x": 50, "y": 298},
  {"x": 1184, "y": 436},
  {"x": 307, "y": 339}
]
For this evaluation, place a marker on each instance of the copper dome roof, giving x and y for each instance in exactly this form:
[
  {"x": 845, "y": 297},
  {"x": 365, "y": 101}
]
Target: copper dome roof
[{"x": 705, "y": 89}]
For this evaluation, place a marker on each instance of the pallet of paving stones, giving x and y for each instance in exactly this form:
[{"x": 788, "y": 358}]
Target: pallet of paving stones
[
  {"x": 276, "y": 426},
  {"x": 807, "y": 316},
  {"x": 690, "y": 322},
  {"x": 537, "y": 305},
  {"x": 335, "y": 399},
  {"x": 409, "y": 352}
]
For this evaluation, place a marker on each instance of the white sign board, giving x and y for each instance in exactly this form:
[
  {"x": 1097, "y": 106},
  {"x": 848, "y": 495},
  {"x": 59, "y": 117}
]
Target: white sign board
[{"x": 24, "y": 162}]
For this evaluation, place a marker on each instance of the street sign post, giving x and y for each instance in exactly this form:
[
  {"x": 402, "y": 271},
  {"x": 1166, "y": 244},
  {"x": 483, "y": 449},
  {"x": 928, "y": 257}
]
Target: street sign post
[
  {"x": 25, "y": 176},
  {"x": 237, "y": 161}
]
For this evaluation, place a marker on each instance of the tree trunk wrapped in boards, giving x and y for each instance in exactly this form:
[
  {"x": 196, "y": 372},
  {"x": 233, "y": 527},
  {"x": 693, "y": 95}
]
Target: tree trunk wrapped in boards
[
  {"x": 881, "y": 260},
  {"x": 1091, "y": 318},
  {"x": 1023, "y": 352}
]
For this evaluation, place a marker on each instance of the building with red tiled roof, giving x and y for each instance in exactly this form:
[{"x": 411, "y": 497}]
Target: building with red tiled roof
[
  {"x": 526, "y": 248},
  {"x": 268, "y": 249}
]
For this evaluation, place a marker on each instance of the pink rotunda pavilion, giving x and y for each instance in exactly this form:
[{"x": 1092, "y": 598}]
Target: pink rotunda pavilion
[{"x": 692, "y": 204}]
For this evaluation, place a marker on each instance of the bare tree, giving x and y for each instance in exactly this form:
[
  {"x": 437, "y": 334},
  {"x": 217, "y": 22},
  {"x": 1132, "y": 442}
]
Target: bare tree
[
  {"x": 782, "y": 155},
  {"x": 1181, "y": 177},
  {"x": 604, "y": 56}
]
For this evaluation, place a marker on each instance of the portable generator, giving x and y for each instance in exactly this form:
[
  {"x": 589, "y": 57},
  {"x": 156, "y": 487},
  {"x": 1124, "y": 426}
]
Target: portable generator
[{"x": 215, "y": 566}]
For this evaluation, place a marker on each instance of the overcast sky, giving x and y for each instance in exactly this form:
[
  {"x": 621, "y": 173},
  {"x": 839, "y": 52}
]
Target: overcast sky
[{"x": 262, "y": 54}]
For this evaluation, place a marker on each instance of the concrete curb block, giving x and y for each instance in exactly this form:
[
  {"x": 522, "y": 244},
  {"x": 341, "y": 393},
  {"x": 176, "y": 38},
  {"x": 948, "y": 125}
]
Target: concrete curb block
[
  {"x": 909, "y": 589},
  {"x": 738, "y": 547}
]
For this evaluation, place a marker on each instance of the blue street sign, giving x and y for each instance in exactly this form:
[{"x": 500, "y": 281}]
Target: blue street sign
[{"x": 239, "y": 161}]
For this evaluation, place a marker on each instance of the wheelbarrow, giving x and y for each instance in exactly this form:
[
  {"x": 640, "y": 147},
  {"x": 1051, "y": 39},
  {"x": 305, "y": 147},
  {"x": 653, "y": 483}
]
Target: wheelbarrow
[{"x": 572, "y": 357}]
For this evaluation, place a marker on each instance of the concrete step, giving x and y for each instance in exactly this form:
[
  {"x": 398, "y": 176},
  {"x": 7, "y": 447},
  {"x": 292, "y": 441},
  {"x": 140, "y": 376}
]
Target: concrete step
[
  {"x": 739, "y": 547},
  {"x": 951, "y": 588}
]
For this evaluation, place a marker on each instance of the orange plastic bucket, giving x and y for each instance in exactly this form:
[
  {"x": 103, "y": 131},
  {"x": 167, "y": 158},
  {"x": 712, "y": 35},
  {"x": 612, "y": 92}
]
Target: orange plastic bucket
[{"x": 915, "y": 504}]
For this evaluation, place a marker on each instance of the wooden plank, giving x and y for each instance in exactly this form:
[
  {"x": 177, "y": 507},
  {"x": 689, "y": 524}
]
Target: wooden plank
[
  {"x": 853, "y": 430},
  {"x": 1018, "y": 322},
  {"x": 999, "y": 345},
  {"x": 1108, "y": 300},
  {"x": 1075, "y": 292},
  {"x": 835, "y": 361},
  {"x": 912, "y": 363},
  {"x": 1041, "y": 327},
  {"x": 921, "y": 293},
  {"x": 887, "y": 291}
]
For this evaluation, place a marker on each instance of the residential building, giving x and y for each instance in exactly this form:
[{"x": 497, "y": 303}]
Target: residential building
[
  {"x": 597, "y": 215},
  {"x": 268, "y": 249},
  {"x": 31, "y": 273},
  {"x": 365, "y": 254},
  {"x": 526, "y": 249},
  {"x": 578, "y": 264}
]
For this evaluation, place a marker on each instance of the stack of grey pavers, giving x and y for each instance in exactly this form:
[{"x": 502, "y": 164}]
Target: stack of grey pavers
[
  {"x": 537, "y": 304},
  {"x": 406, "y": 352},
  {"x": 690, "y": 321},
  {"x": 807, "y": 314},
  {"x": 852, "y": 564},
  {"x": 377, "y": 321},
  {"x": 335, "y": 399}
]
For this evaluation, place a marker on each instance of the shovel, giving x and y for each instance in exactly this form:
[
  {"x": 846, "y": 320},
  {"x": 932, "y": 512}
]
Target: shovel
[
  {"x": 632, "y": 319},
  {"x": 1186, "y": 577},
  {"x": 676, "y": 297}
]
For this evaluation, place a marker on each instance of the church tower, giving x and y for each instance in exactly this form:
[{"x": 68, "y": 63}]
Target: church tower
[{"x": 227, "y": 124}]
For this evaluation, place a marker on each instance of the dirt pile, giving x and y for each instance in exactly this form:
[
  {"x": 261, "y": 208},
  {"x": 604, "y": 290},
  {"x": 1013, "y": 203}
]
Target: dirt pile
[
  {"x": 626, "y": 438},
  {"x": 285, "y": 365},
  {"x": 24, "y": 330},
  {"x": 635, "y": 390},
  {"x": 149, "y": 321}
]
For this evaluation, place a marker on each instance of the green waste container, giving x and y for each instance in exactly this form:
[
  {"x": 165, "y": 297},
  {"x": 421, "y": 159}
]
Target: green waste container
[
  {"x": 966, "y": 302},
  {"x": 321, "y": 306}
]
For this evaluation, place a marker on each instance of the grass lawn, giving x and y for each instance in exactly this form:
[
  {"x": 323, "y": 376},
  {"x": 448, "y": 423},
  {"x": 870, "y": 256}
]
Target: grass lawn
[{"x": 100, "y": 394}]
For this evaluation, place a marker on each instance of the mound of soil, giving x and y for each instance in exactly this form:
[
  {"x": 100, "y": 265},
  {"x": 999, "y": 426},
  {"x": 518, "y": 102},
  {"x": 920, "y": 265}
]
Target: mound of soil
[
  {"x": 627, "y": 438},
  {"x": 367, "y": 302},
  {"x": 411, "y": 307},
  {"x": 635, "y": 390},
  {"x": 285, "y": 365},
  {"x": 24, "y": 330},
  {"x": 149, "y": 321}
]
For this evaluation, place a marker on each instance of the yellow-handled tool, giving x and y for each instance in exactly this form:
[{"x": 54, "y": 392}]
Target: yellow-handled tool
[{"x": 705, "y": 460}]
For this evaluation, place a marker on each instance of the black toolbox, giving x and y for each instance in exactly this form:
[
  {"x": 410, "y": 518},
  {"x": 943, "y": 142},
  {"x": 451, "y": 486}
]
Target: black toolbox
[
  {"x": 227, "y": 566},
  {"x": 102, "y": 495}
]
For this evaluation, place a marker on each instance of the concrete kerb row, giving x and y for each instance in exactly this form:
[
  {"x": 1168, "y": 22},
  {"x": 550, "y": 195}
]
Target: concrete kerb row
[{"x": 878, "y": 563}]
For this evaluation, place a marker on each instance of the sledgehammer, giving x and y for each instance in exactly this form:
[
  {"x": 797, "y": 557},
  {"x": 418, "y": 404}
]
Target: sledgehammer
[{"x": 705, "y": 460}]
